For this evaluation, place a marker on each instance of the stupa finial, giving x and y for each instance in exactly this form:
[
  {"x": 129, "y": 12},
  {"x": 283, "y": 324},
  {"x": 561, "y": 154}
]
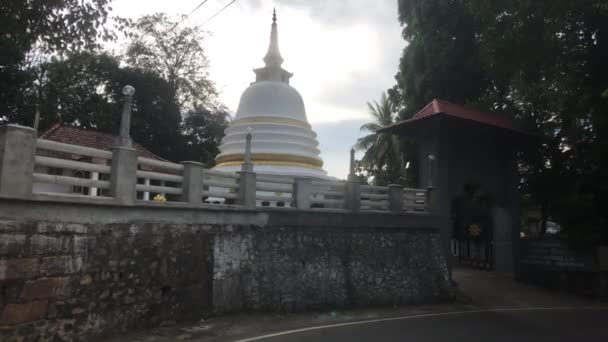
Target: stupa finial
[
  {"x": 273, "y": 56},
  {"x": 273, "y": 71}
]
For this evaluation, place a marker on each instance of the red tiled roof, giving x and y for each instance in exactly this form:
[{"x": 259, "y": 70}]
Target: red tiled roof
[
  {"x": 87, "y": 138},
  {"x": 440, "y": 107}
]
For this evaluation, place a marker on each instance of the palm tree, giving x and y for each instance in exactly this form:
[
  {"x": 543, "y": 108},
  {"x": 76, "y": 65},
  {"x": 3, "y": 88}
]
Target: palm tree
[{"x": 382, "y": 158}]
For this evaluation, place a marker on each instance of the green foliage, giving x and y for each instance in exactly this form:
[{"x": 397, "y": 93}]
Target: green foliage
[
  {"x": 541, "y": 62},
  {"x": 49, "y": 27},
  {"x": 382, "y": 162},
  {"x": 177, "y": 54},
  {"x": 82, "y": 88},
  {"x": 203, "y": 130}
]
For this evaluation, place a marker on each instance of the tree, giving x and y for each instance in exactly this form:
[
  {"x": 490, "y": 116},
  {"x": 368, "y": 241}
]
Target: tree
[
  {"x": 176, "y": 53},
  {"x": 441, "y": 60},
  {"x": 49, "y": 26},
  {"x": 382, "y": 161},
  {"x": 541, "y": 62},
  {"x": 203, "y": 130}
]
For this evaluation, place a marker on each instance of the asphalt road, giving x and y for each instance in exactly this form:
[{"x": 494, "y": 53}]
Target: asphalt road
[{"x": 523, "y": 324}]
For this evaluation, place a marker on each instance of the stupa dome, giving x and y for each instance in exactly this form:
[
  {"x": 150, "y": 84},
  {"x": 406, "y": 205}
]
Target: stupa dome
[
  {"x": 283, "y": 142},
  {"x": 269, "y": 98}
]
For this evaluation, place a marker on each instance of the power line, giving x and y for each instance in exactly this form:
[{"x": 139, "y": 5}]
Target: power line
[
  {"x": 187, "y": 15},
  {"x": 216, "y": 14}
]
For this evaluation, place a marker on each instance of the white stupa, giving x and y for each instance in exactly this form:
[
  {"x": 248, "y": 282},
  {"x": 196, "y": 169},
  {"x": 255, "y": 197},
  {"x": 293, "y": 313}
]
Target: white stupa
[{"x": 283, "y": 141}]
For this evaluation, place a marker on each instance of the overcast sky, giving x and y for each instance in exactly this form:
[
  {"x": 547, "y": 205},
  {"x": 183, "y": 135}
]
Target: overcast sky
[{"x": 342, "y": 54}]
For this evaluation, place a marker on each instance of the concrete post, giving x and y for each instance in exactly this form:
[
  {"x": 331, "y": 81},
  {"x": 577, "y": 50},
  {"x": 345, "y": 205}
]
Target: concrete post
[
  {"x": 124, "y": 138},
  {"x": 247, "y": 164},
  {"x": 246, "y": 196},
  {"x": 124, "y": 175},
  {"x": 351, "y": 166},
  {"x": 302, "y": 189},
  {"x": 192, "y": 185},
  {"x": 395, "y": 198},
  {"x": 352, "y": 196},
  {"x": 430, "y": 199},
  {"x": 17, "y": 151}
]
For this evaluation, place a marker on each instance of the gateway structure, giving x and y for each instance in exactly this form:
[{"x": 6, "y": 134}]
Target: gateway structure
[{"x": 283, "y": 140}]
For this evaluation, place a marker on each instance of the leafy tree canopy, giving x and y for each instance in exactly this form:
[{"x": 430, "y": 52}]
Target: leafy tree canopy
[
  {"x": 541, "y": 62},
  {"x": 177, "y": 54}
]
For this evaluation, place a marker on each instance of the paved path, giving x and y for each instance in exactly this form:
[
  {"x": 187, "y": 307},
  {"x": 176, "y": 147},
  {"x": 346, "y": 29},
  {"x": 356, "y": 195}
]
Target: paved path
[{"x": 491, "y": 307}]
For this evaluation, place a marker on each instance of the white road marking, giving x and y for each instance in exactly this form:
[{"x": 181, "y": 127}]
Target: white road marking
[{"x": 320, "y": 327}]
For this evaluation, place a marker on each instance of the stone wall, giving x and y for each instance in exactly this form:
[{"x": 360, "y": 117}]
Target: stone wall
[
  {"x": 78, "y": 271},
  {"x": 295, "y": 268},
  {"x": 71, "y": 280}
]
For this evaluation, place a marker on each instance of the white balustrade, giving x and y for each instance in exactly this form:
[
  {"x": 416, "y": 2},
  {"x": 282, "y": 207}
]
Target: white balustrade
[{"x": 70, "y": 170}]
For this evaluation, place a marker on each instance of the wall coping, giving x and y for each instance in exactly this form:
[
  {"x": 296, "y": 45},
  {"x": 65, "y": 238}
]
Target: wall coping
[{"x": 69, "y": 210}]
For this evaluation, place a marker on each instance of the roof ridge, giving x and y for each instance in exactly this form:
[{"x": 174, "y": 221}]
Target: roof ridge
[{"x": 50, "y": 130}]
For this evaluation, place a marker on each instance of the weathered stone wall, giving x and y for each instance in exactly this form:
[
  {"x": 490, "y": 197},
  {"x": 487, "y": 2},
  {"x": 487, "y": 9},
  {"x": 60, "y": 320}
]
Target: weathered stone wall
[
  {"x": 296, "y": 268},
  {"x": 76, "y": 272},
  {"x": 71, "y": 281}
]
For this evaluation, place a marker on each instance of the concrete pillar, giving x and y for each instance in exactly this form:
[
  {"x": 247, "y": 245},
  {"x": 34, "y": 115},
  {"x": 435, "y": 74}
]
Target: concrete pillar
[
  {"x": 192, "y": 185},
  {"x": 17, "y": 152},
  {"x": 352, "y": 196},
  {"x": 147, "y": 193},
  {"x": 395, "y": 198},
  {"x": 124, "y": 175},
  {"x": 124, "y": 137},
  {"x": 247, "y": 192},
  {"x": 93, "y": 190},
  {"x": 302, "y": 189}
]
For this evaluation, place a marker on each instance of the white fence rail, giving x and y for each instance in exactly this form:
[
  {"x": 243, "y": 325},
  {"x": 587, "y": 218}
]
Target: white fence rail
[
  {"x": 74, "y": 171},
  {"x": 158, "y": 180},
  {"x": 415, "y": 200},
  {"x": 327, "y": 194},
  {"x": 220, "y": 187},
  {"x": 375, "y": 198},
  {"x": 70, "y": 170},
  {"x": 274, "y": 191}
]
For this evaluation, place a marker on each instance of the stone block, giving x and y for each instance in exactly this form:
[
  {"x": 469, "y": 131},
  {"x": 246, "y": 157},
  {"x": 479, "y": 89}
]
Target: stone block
[
  {"x": 11, "y": 244},
  {"x": 55, "y": 227},
  {"x": 46, "y": 288},
  {"x": 43, "y": 244},
  {"x": 63, "y": 264},
  {"x": 25, "y": 268},
  {"x": 23, "y": 313}
]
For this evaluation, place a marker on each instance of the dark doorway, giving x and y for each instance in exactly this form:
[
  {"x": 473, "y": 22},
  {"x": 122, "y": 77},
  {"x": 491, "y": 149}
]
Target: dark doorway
[{"x": 472, "y": 240}]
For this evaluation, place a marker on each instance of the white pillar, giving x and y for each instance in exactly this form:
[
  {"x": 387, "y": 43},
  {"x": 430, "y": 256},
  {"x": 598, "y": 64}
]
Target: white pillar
[
  {"x": 93, "y": 190},
  {"x": 146, "y": 193}
]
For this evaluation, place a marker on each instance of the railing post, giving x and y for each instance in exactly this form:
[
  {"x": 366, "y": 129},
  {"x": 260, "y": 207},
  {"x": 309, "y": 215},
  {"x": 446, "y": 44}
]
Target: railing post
[
  {"x": 192, "y": 184},
  {"x": 246, "y": 196},
  {"x": 247, "y": 179},
  {"x": 123, "y": 177},
  {"x": 429, "y": 188},
  {"x": 352, "y": 195},
  {"x": 429, "y": 200},
  {"x": 302, "y": 189},
  {"x": 395, "y": 198},
  {"x": 17, "y": 157},
  {"x": 352, "y": 190}
]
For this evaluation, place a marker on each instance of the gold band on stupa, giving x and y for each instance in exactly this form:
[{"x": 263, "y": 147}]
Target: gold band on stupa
[
  {"x": 271, "y": 120},
  {"x": 270, "y": 159}
]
